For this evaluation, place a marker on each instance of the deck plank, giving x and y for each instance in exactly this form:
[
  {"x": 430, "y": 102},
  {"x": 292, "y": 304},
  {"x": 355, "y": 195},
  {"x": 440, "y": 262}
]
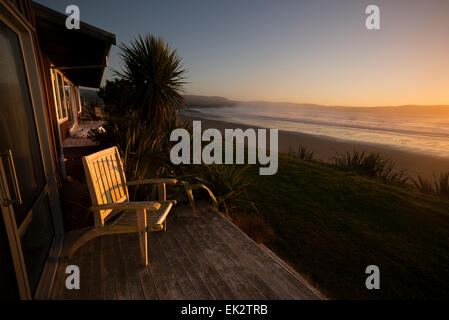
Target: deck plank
[
  {"x": 203, "y": 293},
  {"x": 96, "y": 272},
  {"x": 148, "y": 286},
  {"x": 128, "y": 249},
  {"x": 270, "y": 268},
  {"x": 183, "y": 279},
  {"x": 239, "y": 257},
  {"x": 262, "y": 270},
  {"x": 196, "y": 250},
  {"x": 230, "y": 272},
  {"x": 84, "y": 262},
  {"x": 166, "y": 281},
  {"x": 107, "y": 269},
  {"x": 204, "y": 271},
  {"x": 121, "y": 286}
]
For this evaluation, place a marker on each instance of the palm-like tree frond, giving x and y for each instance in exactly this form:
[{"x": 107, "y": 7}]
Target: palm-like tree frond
[{"x": 155, "y": 73}]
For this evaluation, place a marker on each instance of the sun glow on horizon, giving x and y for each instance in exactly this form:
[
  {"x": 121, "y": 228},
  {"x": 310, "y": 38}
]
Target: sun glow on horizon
[{"x": 317, "y": 52}]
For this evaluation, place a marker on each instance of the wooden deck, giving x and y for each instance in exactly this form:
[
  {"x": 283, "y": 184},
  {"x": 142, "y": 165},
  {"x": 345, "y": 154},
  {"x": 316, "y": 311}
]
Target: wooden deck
[{"x": 197, "y": 258}]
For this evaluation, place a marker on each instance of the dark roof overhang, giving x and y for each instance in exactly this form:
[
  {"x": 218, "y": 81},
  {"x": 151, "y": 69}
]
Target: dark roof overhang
[{"x": 82, "y": 55}]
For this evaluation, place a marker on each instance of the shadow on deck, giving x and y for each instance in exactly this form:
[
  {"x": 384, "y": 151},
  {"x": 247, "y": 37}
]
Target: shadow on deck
[{"x": 197, "y": 258}]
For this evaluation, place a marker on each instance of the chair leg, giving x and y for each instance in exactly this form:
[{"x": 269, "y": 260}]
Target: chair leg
[
  {"x": 162, "y": 191},
  {"x": 143, "y": 235}
]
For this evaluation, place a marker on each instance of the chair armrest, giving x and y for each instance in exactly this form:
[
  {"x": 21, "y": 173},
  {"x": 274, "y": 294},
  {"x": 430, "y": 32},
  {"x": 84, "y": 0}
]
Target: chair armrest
[
  {"x": 127, "y": 206},
  {"x": 152, "y": 181},
  {"x": 173, "y": 202}
]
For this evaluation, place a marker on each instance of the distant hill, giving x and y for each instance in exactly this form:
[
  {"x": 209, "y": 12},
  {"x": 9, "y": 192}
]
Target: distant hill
[
  {"x": 203, "y": 101},
  {"x": 90, "y": 95}
]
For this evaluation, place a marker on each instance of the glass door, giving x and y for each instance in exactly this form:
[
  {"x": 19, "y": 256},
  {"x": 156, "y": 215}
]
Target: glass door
[{"x": 24, "y": 194}]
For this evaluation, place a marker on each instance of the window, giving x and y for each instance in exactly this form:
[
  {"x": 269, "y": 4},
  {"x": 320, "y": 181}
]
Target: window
[
  {"x": 60, "y": 100},
  {"x": 66, "y": 97},
  {"x": 78, "y": 100},
  {"x": 63, "y": 105},
  {"x": 74, "y": 99},
  {"x": 56, "y": 94}
]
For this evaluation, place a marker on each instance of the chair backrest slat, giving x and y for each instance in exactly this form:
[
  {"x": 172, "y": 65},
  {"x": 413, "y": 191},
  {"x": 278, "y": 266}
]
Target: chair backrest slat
[
  {"x": 107, "y": 168},
  {"x": 116, "y": 178},
  {"x": 106, "y": 181},
  {"x": 104, "y": 177},
  {"x": 101, "y": 187}
]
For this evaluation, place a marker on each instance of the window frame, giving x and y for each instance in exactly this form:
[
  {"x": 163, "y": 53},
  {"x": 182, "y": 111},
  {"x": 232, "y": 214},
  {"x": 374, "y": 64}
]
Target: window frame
[
  {"x": 78, "y": 100},
  {"x": 60, "y": 102}
]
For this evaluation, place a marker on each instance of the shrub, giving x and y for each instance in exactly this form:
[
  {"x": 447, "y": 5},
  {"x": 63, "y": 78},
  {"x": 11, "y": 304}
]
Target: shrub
[
  {"x": 371, "y": 165},
  {"x": 230, "y": 185},
  {"x": 118, "y": 99},
  {"x": 442, "y": 185},
  {"x": 302, "y": 153},
  {"x": 437, "y": 186}
]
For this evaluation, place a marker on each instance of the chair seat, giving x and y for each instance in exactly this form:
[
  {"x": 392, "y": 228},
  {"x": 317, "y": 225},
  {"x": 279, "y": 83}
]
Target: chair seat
[{"x": 155, "y": 219}]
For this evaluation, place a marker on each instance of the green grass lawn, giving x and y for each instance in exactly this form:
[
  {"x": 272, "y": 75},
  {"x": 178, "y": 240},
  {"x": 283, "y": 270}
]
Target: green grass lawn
[{"x": 330, "y": 224}]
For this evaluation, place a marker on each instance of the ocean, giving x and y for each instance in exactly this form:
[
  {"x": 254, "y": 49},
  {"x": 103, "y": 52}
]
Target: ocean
[{"x": 422, "y": 129}]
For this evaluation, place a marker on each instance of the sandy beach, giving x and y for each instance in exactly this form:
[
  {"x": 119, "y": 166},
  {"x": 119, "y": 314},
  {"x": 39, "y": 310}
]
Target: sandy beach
[{"x": 325, "y": 148}]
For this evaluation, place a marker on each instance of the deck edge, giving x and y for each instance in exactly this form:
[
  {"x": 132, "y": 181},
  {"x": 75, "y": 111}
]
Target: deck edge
[{"x": 273, "y": 256}]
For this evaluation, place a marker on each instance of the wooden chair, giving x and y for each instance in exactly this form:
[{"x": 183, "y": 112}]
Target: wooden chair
[{"x": 113, "y": 211}]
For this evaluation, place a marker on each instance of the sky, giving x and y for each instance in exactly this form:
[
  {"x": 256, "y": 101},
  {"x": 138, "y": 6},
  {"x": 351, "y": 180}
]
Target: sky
[{"x": 316, "y": 51}]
